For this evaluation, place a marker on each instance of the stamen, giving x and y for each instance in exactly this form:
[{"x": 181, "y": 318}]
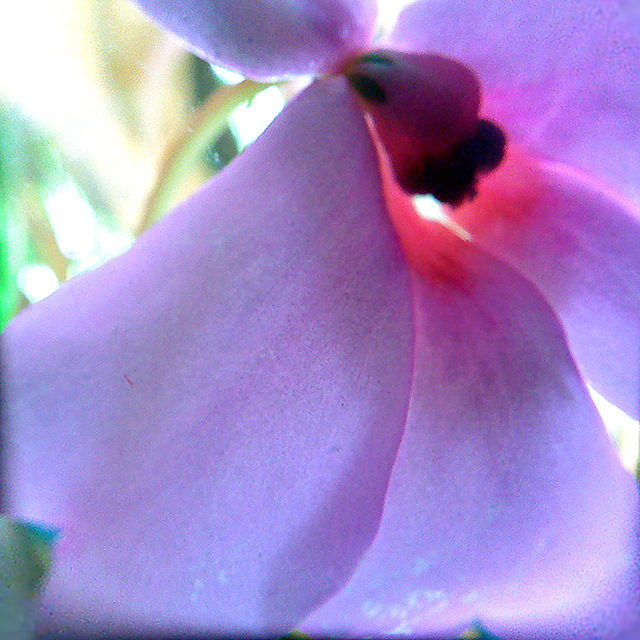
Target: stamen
[
  {"x": 368, "y": 88},
  {"x": 425, "y": 112},
  {"x": 452, "y": 178}
]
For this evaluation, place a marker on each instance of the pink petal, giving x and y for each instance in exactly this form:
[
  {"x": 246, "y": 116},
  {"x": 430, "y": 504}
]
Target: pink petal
[
  {"x": 270, "y": 39},
  {"x": 507, "y": 502},
  {"x": 581, "y": 245},
  {"x": 562, "y": 77},
  {"x": 211, "y": 418}
]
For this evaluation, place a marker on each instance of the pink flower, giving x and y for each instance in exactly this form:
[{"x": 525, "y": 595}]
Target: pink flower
[{"x": 261, "y": 418}]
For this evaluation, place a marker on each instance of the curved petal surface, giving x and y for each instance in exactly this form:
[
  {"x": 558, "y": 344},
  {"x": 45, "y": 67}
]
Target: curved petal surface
[
  {"x": 561, "y": 77},
  {"x": 269, "y": 39},
  {"x": 581, "y": 245},
  {"x": 507, "y": 503},
  {"x": 212, "y": 417}
]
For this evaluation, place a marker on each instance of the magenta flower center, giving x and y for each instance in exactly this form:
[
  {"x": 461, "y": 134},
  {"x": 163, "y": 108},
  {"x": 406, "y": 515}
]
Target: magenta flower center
[{"x": 425, "y": 109}]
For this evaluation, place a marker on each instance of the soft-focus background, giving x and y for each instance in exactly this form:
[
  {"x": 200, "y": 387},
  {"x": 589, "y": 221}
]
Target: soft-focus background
[{"x": 95, "y": 105}]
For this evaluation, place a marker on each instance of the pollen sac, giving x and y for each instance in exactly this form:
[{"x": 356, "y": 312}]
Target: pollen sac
[{"x": 424, "y": 108}]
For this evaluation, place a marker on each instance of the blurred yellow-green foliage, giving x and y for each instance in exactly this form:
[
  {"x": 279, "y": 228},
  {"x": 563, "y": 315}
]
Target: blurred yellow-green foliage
[{"x": 91, "y": 96}]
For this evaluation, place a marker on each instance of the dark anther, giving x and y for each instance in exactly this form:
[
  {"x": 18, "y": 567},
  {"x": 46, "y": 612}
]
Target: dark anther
[
  {"x": 487, "y": 145},
  {"x": 368, "y": 88},
  {"x": 452, "y": 178}
]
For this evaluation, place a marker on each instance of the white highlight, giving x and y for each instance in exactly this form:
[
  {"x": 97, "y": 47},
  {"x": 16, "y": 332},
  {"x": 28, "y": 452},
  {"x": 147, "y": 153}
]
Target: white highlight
[
  {"x": 388, "y": 11},
  {"x": 80, "y": 236},
  {"x": 228, "y": 77},
  {"x": 37, "y": 281},
  {"x": 624, "y": 430},
  {"x": 73, "y": 222},
  {"x": 431, "y": 209},
  {"x": 250, "y": 120}
]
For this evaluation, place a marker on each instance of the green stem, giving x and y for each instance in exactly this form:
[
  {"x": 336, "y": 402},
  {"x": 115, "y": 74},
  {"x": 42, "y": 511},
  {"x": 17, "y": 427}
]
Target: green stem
[
  {"x": 207, "y": 124},
  {"x": 638, "y": 462}
]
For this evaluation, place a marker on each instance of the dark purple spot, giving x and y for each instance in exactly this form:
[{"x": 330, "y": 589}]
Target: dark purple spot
[
  {"x": 452, "y": 177},
  {"x": 367, "y": 88}
]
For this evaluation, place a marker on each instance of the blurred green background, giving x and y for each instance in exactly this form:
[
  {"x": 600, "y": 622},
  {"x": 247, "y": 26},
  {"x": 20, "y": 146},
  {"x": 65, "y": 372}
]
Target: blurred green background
[{"x": 93, "y": 100}]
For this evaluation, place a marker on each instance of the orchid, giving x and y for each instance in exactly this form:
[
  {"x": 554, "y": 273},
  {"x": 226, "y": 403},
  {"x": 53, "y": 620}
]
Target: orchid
[{"x": 296, "y": 404}]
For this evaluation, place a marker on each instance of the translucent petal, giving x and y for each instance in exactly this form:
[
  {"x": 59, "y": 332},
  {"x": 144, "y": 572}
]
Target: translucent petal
[
  {"x": 581, "y": 245},
  {"x": 269, "y": 39},
  {"x": 507, "y": 503},
  {"x": 562, "y": 77},
  {"x": 211, "y": 418}
]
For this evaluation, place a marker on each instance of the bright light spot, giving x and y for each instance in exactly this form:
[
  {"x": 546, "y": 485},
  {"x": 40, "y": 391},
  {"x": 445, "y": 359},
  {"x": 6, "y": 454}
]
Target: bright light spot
[
  {"x": 250, "y": 120},
  {"x": 108, "y": 244},
  {"x": 228, "y": 77},
  {"x": 73, "y": 222},
  {"x": 37, "y": 281},
  {"x": 79, "y": 234},
  {"x": 388, "y": 11},
  {"x": 112, "y": 243},
  {"x": 431, "y": 209},
  {"x": 623, "y": 429}
]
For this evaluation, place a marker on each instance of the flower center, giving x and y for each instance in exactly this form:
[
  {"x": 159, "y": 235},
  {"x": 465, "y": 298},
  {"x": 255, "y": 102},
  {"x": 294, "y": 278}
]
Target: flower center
[{"x": 425, "y": 111}]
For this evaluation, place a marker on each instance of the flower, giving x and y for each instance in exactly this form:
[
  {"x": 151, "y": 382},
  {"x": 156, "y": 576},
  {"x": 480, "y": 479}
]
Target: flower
[{"x": 260, "y": 417}]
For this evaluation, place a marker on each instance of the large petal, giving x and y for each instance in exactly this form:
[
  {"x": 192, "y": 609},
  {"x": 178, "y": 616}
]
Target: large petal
[
  {"x": 581, "y": 245},
  {"x": 562, "y": 77},
  {"x": 269, "y": 39},
  {"x": 507, "y": 502},
  {"x": 211, "y": 418}
]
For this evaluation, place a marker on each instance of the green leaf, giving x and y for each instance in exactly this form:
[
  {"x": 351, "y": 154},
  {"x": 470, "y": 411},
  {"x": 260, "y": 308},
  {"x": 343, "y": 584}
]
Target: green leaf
[
  {"x": 206, "y": 126},
  {"x": 12, "y": 231},
  {"x": 25, "y": 559},
  {"x": 478, "y": 632}
]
